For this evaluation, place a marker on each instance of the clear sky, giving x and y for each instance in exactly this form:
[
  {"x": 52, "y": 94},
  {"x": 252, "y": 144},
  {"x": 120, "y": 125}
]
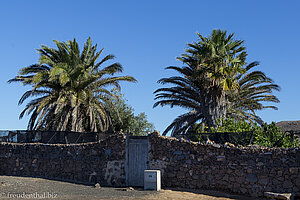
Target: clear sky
[{"x": 146, "y": 37}]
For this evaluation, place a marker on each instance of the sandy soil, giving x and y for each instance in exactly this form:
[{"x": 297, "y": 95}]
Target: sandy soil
[{"x": 12, "y": 187}]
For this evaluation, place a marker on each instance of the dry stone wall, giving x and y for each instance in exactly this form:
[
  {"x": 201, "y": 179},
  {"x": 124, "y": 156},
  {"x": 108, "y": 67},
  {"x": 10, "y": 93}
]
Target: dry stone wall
[
  {"x": 245, "y": 170},
  {"x": 97, "y": 162},
  {"x": 249, "y": 170}
]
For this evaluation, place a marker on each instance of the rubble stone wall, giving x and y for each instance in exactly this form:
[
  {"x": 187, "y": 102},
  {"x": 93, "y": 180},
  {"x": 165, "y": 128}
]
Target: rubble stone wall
[
  {"x": 96, "y": 162},
  {"x": 245, "y": 170}
]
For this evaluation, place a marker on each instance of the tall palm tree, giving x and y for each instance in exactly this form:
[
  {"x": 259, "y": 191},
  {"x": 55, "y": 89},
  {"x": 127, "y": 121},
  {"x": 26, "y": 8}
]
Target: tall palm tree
[
  {"x": 208, "y": 83},
  {"x": 72, "y": 88}
]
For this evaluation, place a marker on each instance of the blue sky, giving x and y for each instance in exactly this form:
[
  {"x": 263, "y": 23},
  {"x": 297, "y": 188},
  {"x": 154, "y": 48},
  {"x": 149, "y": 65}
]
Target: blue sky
[{"x": 146, "y": 37}]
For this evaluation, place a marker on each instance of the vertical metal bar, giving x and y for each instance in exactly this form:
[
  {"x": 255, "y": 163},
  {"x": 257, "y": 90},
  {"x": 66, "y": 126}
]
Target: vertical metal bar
[
  {"x": 292, "y": 136},
  {"x": 126, "y": 158},
  {"x": 251, "y": 139}
]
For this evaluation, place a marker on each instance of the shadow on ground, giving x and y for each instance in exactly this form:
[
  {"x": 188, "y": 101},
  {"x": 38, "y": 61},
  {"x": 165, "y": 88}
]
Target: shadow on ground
[
  {"x": 11, "y": 186},
  {"x": 214, "y": 194}
]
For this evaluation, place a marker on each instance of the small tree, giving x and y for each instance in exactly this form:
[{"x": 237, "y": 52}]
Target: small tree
[{"x": 125, "y": 119}]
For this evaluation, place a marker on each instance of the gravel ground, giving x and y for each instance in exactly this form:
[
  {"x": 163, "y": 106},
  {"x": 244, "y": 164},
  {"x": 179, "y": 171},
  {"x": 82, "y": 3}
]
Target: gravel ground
[{"x": 12, "y": 187}]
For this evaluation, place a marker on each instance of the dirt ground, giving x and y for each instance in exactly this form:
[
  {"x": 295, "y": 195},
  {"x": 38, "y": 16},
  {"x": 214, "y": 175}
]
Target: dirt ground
[{"x": 12, "y": 187}]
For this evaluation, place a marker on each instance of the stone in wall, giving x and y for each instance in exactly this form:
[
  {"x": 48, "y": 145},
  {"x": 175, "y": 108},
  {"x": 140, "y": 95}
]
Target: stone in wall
[
  {"x": 115, "y": 173},
  {"x": 157, "y": 165}
]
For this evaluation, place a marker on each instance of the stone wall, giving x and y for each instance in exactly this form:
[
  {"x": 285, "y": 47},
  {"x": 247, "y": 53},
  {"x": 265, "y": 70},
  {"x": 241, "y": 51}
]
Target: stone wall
[
  {"x": 101, "y": 162},
  {"x": 246, "y": 170}
]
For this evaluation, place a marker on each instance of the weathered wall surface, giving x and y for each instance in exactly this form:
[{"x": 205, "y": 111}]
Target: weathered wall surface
[
  {"x": 101, "y": 162},
  {"x": 249, "y": 171}
]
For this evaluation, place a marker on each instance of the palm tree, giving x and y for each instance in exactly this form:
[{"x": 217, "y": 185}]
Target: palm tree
[
  {"x": 72, "y": 88},
  {"x": 208, "y": 83},
  {"x": 254, "y": 89}
]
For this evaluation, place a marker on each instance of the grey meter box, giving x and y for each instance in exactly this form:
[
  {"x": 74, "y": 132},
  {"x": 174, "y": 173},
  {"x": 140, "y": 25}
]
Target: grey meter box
[{"x": 152, "y": 180}]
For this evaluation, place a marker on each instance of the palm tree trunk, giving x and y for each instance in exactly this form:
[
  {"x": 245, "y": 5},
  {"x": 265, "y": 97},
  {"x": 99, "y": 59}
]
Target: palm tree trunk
[{"x": 214, "y": 109}]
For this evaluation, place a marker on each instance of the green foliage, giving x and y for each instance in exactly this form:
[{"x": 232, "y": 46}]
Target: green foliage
[
  {"x": 269, "y": 135},
  {"x": 215, "y": 82},
  {"x": 125, "y": 119},
  {"x": 240, "y": 133},
  {"x": 229, "y": 130},
  {"x": 140, "y": 125},
  {"x": 231, "y": 125},
  {"x": 70, "y": 88}
]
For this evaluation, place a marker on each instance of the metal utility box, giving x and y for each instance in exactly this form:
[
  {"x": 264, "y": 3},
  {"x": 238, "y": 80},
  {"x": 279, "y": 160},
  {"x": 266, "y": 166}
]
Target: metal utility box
[{"x": 152, "y": 180}]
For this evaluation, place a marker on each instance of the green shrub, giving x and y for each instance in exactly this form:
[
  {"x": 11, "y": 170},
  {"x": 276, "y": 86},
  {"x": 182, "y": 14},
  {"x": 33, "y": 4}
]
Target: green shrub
[
  {"x": 240, "y": 133},
  {"x": 269, "y": 135}
]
